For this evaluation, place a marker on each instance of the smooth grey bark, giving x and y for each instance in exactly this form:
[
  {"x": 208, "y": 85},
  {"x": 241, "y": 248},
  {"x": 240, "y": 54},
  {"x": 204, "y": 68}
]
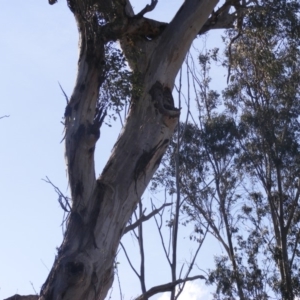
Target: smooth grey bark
[
  {"x": 101, "y": 208},
  {"x": 83, "y": 268}
]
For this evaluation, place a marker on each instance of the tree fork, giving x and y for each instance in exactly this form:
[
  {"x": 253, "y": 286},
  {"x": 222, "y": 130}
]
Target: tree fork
[{"x": 83, "y": 268}]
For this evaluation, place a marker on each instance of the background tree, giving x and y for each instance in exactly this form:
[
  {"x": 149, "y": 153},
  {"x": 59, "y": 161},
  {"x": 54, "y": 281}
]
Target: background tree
[
  {"x": 239, "y": 163},
  {"x": 266, "y": 85}
]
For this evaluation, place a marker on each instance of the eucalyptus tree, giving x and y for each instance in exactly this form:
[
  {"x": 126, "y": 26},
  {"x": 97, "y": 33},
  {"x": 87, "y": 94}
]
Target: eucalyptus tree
[
  {"x": 264, "y": 90},
  {"x": 101, "y": 207},
  {"x": 209, "y": 182},
  {"x": 240, "y": 161}
]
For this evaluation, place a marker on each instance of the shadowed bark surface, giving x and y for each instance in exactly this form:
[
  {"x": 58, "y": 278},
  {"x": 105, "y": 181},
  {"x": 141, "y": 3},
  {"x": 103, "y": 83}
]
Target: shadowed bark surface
[{"x": 18, "y": 297}]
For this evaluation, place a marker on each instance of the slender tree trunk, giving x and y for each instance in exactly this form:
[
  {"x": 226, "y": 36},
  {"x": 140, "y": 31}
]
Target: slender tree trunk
[
  {"x": 286, "y": 276},
  {"x": 83, "y": 268},
  {"x": 231, "y": 253},
  {"x": 287, "y": 289}
]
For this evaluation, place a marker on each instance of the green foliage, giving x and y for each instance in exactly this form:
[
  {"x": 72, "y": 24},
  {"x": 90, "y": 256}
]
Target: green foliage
[
  {"x": 239, "y": 166},
  {"x": 264, "y": 98},
  {"x": 116, "y": 89}
]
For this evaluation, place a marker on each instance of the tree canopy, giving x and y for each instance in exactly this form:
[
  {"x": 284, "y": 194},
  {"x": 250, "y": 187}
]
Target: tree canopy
[{"x": 240, "y": 160}]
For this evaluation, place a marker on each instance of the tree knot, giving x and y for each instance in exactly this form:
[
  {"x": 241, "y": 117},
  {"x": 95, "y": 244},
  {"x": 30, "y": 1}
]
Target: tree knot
[{"x": 163, "y": 100}]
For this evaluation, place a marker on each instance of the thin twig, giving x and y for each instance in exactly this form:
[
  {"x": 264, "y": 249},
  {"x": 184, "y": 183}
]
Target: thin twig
[
  {"x": 144, "y": 218},
  {"x": 161, "y": 236},
  {"x": 33, "y": 288},
  {"x": 129, "y": 261},
  {"x": 67, "y": 98},
  {"x": 119, "y": 283},
  {"x": 45, "y": 265},
  {"x": 193, "y": 261},
  {"x": 111, "y": 291},
  {"x": 65, "y": 206},
  {"x": 142, "y": 251}
]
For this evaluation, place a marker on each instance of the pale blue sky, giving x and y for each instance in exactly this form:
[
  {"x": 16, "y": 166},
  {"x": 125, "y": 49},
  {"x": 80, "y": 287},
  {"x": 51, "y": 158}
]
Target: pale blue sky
[{"x": 38, "y": 45}]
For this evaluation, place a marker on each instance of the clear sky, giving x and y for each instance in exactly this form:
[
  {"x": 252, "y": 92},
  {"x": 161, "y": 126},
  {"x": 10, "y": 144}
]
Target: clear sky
[{"x": 39, "y": 49}]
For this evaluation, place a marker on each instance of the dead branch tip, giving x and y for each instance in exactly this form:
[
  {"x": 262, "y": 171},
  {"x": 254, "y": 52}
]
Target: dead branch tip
[
  {"x": 63, "y": 200},
  {"x": 67, "y": 99},
  {"x": 147, "y": 8}
]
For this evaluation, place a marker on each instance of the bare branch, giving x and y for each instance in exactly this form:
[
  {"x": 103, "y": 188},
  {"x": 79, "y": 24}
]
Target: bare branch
[
  {"x": 33, "y": 288},
  {"x": 142, "y": 251},
  {"x": 129, "y": 261},
  {"x": 159, "y": 226},
  {"x": 65, "y": 206},
  {"x": 167, "y": 287},
  {"x": 145, "y": 218},
  {"x": 177, "y": 206},
  {"x": 67, "y": 98},
  {"x": 5, "y": 116},
  {"x": 190, "y": 268},
  {"x": 147, "y": 8}
]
